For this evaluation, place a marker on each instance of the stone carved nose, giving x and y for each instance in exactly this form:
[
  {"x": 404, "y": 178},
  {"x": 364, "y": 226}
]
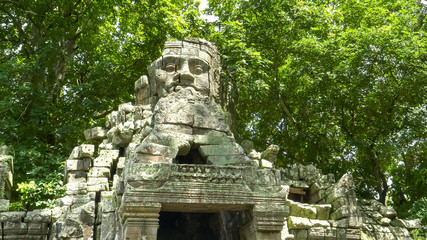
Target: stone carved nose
[{"x": 185, "y": 75}]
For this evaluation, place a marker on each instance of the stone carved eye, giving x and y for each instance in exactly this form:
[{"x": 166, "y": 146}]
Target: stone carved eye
[
  {"x": 198, "y": 69},
  {"x": 170, "y": 67}
]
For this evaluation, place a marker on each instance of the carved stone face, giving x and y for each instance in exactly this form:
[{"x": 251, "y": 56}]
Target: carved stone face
[{"x": 181, "y": 71}]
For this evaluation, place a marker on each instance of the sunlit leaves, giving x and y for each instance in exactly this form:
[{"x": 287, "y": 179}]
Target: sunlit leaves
[{"x": 336, "y": 85}]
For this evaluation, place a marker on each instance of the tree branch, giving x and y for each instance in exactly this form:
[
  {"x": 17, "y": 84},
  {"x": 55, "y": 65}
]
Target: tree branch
[{"x": 101, "y": 115}]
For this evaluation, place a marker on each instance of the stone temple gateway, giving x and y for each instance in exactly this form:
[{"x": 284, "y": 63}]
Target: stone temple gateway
[{"x": 168, "y": 167}]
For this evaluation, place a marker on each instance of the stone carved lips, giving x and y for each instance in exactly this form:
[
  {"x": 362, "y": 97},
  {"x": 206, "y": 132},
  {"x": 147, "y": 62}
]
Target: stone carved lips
[{"x": 183, "y": 71}]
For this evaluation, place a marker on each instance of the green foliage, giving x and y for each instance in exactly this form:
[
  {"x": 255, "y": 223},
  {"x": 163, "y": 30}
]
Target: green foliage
[
  {"x": 66, "y": 64},
  {"x": 419, "y": 234},
  {"x": 340, "y": 84},
  {"x": 38, "y": 195},
  {"x": 419, "y": 210}
]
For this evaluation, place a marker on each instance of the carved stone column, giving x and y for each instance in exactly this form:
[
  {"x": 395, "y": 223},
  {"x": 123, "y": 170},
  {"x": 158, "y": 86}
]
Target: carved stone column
[
  {"x": 269, "y": 220},
  {"x": 140, "y": 221}
]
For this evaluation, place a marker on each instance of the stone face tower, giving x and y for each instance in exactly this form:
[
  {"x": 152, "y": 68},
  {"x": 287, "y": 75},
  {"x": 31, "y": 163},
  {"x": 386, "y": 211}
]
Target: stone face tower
[
  {"x": 189, "y": 163},
  {"x": 168, "y": 167}
]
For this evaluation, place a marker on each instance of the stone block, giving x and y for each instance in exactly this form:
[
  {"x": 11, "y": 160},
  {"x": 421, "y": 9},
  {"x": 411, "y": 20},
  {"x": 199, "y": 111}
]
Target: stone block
[
  {"x": 4, "y": 205},
  {"x": 342, "y": 223},
  {"x": 354, "y": 234},
  {"x": 7, "y": 161},
  {"x": 388, "y": 212},
  {"x": 103, "y": 161},
  {"x": 316, "y": 233},
  {"x": 107, "y": 145},
  {"x": 210, "y": 123},
  {"x": 99, "y": 172},
  {"x": 341, "y": 233},
  {"x": 379, "y": 228},
  {"x": 75, "y": 153},
  {"x": 11, "y": 216},
  {"x": 64, "y": 201},
  {"x": 385, "y": 221},
  {"x": 123, "y": 138},
  {"x": 164, "y": 128},
  {"x": 338, "y": 202},
  {"x": 400, "y": 232},
  {"x": 114, "y": 154},
  {"x": 142, "y": 82},
  {"x": 301, "y": 210},
  {"x": 320, "y": 223},
  {"x": 76, "y": 176},
  {"x": 86, "y": 213},
  {"x": 142, "y": 97},
  {"x": 97, "y": 184},
  {"x": 265, "y": 164},
  {"x": 255, "y": 163},
  {"x": 108, "y": 226},
  {"x": 409, "y": 224},
  {"x": 218, "y": 150},
  {"x": 254, "y": 154},
  {"x": 300, "y": 234},
  {"x": 87, "y": 150},
  {"x": 39, "y": 216},
  {"x": 37, "y": 237},
  {"x": 330, "y": 233},
  {"x": 38, "y": 228},
  {"x": 147, "y": 158},
  {"x": 343, "y": 212},
  {"x": 96, "y": 134},
  {"x": 15, "y": 228},
  {"x": 126, "y": 107},
  {"x": 353, "y": 221},
  {"x": 376, "y": 216},
  {"x": 225, "y": 160},
  {"x": 156, "y": 149},
  {"x": 120, "y": 136},
  {"x": 82, "y": 151},
  {"x": 184, "y": 119},
  {"x": 108, "y": 202},
  {"x": 299, "y": 223},
  {"x": 315, "y": 187},
  {"x": 323, "y": 211},
  {"x": 76, "y": 188},
  {"x": 83, "y": 199},
  {"x": 78, "y": 164},
  {"x": 120, "y": 165},
  {"x": 115, "y": 118},
  {"x": 212, "y": 140}
]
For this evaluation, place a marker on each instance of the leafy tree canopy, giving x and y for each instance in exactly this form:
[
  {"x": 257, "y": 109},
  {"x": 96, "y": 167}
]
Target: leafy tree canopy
[
  {"x": 66, "y": 64},
  {"x": 338, "y": 84}
]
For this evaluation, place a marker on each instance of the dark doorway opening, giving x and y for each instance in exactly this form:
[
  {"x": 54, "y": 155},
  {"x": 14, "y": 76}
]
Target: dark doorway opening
[
  {"x": 193, "y": 157},
  {"x": 188, "y": 226}
]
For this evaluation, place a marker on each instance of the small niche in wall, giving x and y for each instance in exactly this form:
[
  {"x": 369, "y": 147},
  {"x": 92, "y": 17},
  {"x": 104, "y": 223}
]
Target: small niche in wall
[{"x": 297, "y": 194}]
